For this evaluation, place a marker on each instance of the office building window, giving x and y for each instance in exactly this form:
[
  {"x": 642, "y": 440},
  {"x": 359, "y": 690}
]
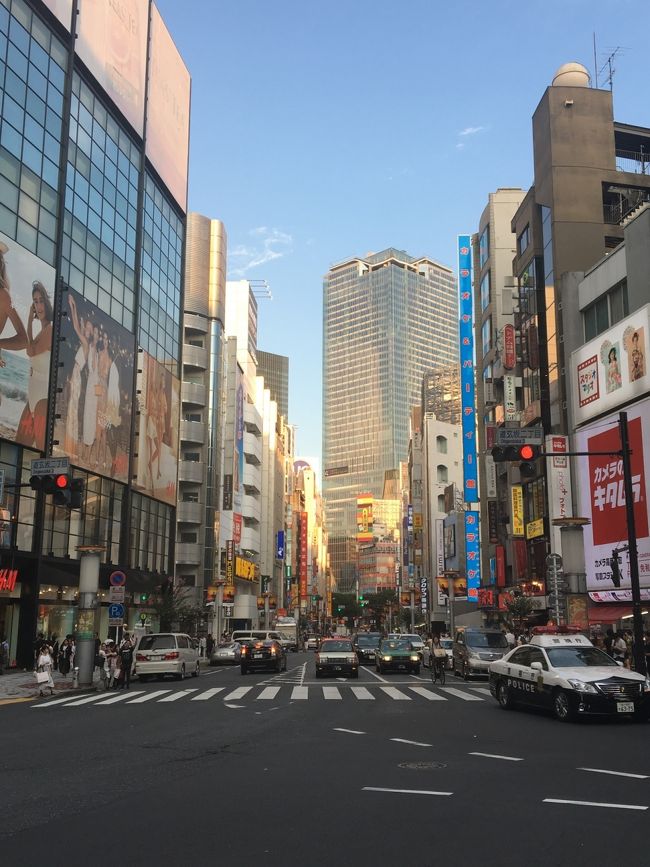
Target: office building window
[
  {"x": 605, "y": 311},
  {"x": 101, "y": 198},
  {"x": 150, "y": 534},
  {"x": 162, "y": 255},
  {"x": 190, "y": 538},
  {"x": 442, "y": 474},
  {"x": 523, "y": 241},
  {"x": 441, "y": 502},
  {"x": 484, "y": 246},
  {"x": 485, "y": 290},
  {"x": 486, "y": 336},
  {"x": 441, "y": 444},
  {"x": 32, "y": 74}
]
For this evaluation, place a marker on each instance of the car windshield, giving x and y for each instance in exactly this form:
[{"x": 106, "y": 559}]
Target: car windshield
[
  {"x": 414, "y": 639},
  {"x": 157, "y": 642},
  {"x": 368, "y": 641},
  {"x": 395, "y": 645},
  {"x": 578, "y": 657},
  {"x": 329, "y": 646},
  {"x": 496, "y": 640},
  {"x": 447, "y": 643}
]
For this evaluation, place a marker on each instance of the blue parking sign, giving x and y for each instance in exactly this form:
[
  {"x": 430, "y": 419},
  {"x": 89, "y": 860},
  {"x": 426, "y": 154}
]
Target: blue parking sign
[{"x": 115, "y": 610}]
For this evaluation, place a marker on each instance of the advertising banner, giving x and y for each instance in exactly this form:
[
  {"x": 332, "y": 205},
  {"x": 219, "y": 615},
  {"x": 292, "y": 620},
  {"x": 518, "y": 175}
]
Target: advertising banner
[
  {"x": 440, "y": 552},
  {"x": 364, "y": 518},
  {"x": 458, "y": 585},
  {"x": 558, "y": 480},
  {"x": 493, "y": 515},
  {"x": 26, "y": 323},
  {"x": 500, "y": 556},
  {"x": 279, "y": 545},
  {"x": 112, "y": 42},
  {"x": 168, "y": 110},
  {"x": 238, "y": 457},
  {"x": 94, "y": 402},
  {"x": 468, "y": 403},
  {"x": 227, "y": 493},
  {"x": 612, "y": 369},
  {"x": 509, "y": 347},
  {"x": 62, "y": 9},
  {"x": 517, "y": 505},
  {"x": 490, "y": 476},
  {"x": 158, "y": 420},
  {"x": 230, "y": 563},
  {"x": 424, "y": 594},
  {"x": 509, "y": 398},
  {"x": 602, "y": 498},
  {"x": 236, "y": 528},
  {"x": 302, "y": 552},
  {"x": 472, "y": 555}
]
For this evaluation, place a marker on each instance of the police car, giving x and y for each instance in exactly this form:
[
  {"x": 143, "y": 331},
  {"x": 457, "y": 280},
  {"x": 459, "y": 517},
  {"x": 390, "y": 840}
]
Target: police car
[{"x": 561, "y": 670}]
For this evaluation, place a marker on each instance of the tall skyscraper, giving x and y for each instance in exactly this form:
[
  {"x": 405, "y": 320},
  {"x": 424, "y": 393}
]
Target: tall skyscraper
[
  {"x": 275, "y": 370},
  {"x": 388, "y": 318}
]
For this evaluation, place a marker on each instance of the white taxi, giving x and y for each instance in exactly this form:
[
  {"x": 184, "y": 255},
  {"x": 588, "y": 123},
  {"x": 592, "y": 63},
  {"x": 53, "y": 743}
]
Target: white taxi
[{"x": 561, "y": 670}]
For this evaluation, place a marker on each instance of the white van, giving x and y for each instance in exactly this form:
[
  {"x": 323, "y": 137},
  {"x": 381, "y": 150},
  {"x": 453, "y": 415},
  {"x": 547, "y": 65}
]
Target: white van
[
  {"x": 163, "y": 653},
  {"x": 258, "y": 634}
]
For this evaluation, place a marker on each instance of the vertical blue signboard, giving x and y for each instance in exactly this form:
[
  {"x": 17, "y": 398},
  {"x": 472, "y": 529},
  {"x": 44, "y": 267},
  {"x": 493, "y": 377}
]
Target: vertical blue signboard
[
  {"x": 466, "y": 333},
  {"x": 279, "y": 545},
  {"x": 472, "y": 556}
]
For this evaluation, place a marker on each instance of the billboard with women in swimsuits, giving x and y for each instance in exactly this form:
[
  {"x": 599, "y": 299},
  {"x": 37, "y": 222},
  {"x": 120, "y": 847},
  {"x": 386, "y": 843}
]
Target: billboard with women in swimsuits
[
  {"x": 95, "y": 388},
  {"x": 27, "y": 287},
  {"x": 157, "y": 437}
]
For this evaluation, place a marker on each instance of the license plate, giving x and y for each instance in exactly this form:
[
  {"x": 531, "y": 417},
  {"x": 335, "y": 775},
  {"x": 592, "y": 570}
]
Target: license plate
[
  {"x": 625, "y": 706},
  {"x": 337, "y": 668},
  {"x": 258, "y": 656},
  {"x": 401, "y": 666}
]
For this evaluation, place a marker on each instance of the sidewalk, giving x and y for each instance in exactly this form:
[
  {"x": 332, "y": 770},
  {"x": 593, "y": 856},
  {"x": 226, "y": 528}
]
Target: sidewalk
[{"x": 21, "y": 686}]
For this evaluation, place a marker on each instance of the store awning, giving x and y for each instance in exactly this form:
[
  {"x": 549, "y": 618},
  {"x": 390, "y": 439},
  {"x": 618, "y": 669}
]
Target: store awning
[{"x": 608, "y": 613}]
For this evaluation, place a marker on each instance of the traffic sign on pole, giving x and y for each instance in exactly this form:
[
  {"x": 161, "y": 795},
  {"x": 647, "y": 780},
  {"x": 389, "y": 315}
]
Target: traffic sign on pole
[
  {"x": 520, "y": 436},
  {"x": 50, "y": 466},
  {"x": 116, "y": 610},
  {"x": 117, "y": 579}
]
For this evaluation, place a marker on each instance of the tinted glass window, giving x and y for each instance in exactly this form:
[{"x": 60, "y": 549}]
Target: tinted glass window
[
  {"x": 495, "y": 640},
  {"x": 157, "y": 642},
  {"x": 521, "y": 657},
  {"x": 332, "y": 646},
  {"x": 578, "y": 657}
]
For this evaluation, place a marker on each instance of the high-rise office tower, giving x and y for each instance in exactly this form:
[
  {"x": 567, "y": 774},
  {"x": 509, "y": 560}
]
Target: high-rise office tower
[
  {"x": 275, "y": 370},
  {"x": 388, "y": 318}
]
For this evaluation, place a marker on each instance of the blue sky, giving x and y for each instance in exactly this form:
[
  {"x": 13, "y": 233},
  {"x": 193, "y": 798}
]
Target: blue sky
[{"x": 326, "y": 130}]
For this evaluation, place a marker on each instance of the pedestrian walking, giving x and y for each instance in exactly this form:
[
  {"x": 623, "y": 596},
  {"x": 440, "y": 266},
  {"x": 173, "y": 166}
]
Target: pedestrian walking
[
  {"x": 64, "y": 657},
  {"x": 110, "y": 665},
  {"x": 100, "y": 662},
  {"x": 202, "y": 646},
  {"x": 619, "y": 648},
  {"x": 4, "y": 654},
  {"x": 510, "y": 638},
  {"x": 209, "y": 645},
  {"x": 44, "y": 670},
  {"x": 55, "y": 651},
  {"x": 125, "y": 663}
]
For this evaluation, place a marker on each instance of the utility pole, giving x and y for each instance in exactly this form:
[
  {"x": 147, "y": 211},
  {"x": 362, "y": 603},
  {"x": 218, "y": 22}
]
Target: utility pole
[{"x": 638, "y": 647}]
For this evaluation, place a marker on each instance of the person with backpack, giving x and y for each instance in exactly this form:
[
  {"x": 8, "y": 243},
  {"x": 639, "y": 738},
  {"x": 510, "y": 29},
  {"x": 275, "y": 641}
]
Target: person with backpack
[{"x": 125, "y": 663}]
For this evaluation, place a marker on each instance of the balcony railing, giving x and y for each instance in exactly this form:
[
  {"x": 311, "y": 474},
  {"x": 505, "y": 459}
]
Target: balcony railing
[
  {"x": 615, "y": 212},
  {"x": 637, "y": 163}
]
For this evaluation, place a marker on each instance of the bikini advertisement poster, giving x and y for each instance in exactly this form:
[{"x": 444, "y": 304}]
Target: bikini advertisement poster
[
  {"x": 158, "y": 420},
  {"x": 26, "y": 321},
  {"x": 93, "y": 405}
]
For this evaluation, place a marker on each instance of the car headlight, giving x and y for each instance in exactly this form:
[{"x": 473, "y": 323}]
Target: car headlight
[
  {"x": 473, "y": 655},
  {"x": 581, "y": 686},
  {"x": 351, "y": 659},
  {"x": 414, "y": 657},
  {"x": 387, "y": 659},
  {"x": 646, "y": 686}
]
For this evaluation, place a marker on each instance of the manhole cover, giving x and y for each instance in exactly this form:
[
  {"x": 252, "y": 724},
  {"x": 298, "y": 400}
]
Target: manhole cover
[{"x": 422, "y": 766}]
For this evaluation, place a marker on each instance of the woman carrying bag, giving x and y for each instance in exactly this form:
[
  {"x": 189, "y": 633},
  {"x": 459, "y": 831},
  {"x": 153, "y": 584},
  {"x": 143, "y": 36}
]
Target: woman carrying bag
[{"x": 44, "y": 665}]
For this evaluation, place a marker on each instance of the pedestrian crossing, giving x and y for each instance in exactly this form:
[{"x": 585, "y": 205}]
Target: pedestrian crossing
[{"x": 281, "y": 694}]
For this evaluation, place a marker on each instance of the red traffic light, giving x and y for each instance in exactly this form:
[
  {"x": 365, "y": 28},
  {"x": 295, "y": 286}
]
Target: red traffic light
[
  {"x": 62, "y": 482},
  {"x": 527, "y": 453}
]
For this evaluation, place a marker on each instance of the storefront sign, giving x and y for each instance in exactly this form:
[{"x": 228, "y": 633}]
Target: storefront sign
[
  {"x": 227, "y": 608},
  {"x": 229, "y": 594},
  {"x": 472, "y": 555},
  {"x": 227, "y": 493},
  {"x": 612, "y": 369},
  {"x": 517, "y": 507},
  {"x": 466, "y": 334},
  {"x": 509, "y": 350},
  {"x": 440, "y": 553},
  {"x": 230, "y": 556},
  {"x": 490, "y": 476},
  {"x": 558, "y": 479},
  {"x": 500, "y": 553},
  {"x": 236, "y": 528},
  {"x": 509, "y": 398},
  {"x": 245, "y": 569},
  {"x": 279, "y": 545},
  {"x": 493, "y": 530},
  {"x": 424, "y": 594},
  {"x": 302, "y": 567},
  {"x": 486, "y": 597},
  {"x": 8, "y": 578},
  {"x": 535, "y": 528},
  {"x": 602, "y": 498}
]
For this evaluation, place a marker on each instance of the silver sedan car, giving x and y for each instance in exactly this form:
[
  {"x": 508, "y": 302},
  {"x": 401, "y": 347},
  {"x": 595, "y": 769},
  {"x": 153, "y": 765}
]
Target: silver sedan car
[{"x": 226, "y": 654}]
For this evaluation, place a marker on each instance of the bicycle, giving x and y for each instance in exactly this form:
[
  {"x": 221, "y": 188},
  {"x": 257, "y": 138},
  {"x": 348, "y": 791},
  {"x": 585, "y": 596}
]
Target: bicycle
[{"x": 437, "y": 665}]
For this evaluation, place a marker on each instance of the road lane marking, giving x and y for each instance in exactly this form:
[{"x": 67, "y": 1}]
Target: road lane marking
[
  {"x": 149, "y": 696},
  {"x": 269, "y": 693},
  {"x": 415, "y": 677},
  {"x": 56, "y": 701},
  {"x": 374, "y": 674},
  {"x": 349, "y": 731},
  {"x": 362, "y": 693},
  {"x": 494, "y": 756},
  {"x": 615, "y": 773},
  {"x": 405, "y": 791},
  {"x": 238, "y": 693},
  {"x": 412, "y": 743},
  {"x": 86, "y": 700},
  {"x": 427, "y": 693},
  {"x": 181, "y": 693},
  {"x": 299, "y": 693},
  {"x": 460, "y": 694},
  {"x": 594, "y": 804},
  {"x": 395, "y": 694},
  {"x": 204, "y": 696},
  {"x": 482, "y": 689},
  {"x": 16, "y": 700},
  {"x": 331, "y": 693},
  {"x": 117, "y": 698}
]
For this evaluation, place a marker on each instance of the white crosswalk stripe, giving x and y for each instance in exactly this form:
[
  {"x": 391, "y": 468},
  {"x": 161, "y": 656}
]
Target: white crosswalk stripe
[
  {"x": 280, "y": 692},
  {"x": 427, "y": 693},
  {"x": 482, "y": 689},
  {"x": 466, "y": 696}
]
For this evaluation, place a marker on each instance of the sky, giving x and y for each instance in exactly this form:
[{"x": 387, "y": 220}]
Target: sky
[{"x": 325, "y": 130}]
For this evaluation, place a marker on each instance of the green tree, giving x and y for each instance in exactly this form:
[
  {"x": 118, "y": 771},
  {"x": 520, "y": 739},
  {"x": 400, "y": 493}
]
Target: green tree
[
  {"x": 177, "y": 609},
  {"x": 520, "y": 607}
]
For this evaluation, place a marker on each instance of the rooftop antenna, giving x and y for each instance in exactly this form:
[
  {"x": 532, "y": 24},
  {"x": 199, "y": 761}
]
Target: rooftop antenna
[
  {"x": 595, "y": 64},
  {"x": 261, "y": 289},
  {"x": 609, "y": 66}
]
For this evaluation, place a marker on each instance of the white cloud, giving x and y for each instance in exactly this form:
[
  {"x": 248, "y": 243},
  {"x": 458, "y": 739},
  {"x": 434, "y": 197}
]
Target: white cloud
[
  {"x": 471, "y": 130},
  {"x": 266, "y": 245}
]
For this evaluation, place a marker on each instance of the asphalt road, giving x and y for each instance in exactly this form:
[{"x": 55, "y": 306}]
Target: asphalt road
[{"x": 296, "y": 770}]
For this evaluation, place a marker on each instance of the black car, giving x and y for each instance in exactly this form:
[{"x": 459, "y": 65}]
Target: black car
[
  {"x": 258, "y": 654},
  {"x": 365, "y": 645}
]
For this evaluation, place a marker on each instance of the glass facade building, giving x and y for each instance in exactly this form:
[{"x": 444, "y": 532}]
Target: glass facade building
[
  {"x": 388, "y": 318},
  {"x": 275, "y": 370},
  {"x": 92, "y": 234}
]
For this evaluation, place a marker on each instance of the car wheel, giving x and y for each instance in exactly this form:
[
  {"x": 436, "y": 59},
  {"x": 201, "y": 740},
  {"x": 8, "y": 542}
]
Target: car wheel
[
  {"x": 285, "y": 664},
  {"x": 278, "y": 666},
  {"x": 562, "y": 706},
  {"x": 504, "y": 696},
  {"x": 244, "y": 670},
  {"x": 195, "y": 673},
  {"x": 181, "y": 676},
  {"x": 465, "y": 672}
]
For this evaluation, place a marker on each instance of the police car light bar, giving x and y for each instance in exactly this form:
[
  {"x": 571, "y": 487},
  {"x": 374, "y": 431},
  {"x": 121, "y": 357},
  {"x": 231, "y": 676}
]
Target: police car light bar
[{"x": 556, "y": 630}]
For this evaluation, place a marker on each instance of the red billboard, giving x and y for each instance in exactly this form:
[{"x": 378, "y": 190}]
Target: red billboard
[
  {"x": 302, "y": 553},
  {"x": 509, "y": 347}
]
